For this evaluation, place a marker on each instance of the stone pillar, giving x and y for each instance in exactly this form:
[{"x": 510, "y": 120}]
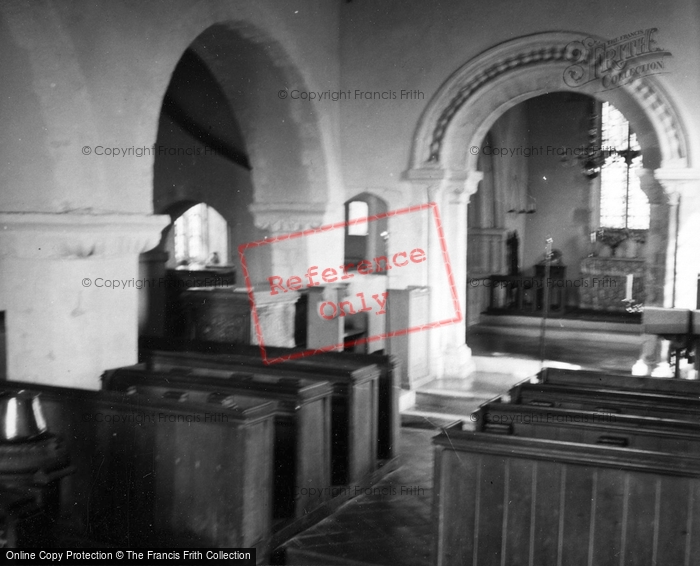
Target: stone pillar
[
  {"x": 457, "y": 192},
  {"x": 286, "y": 256},
  {"x": 68, "y": 286},
  {"x": 655, "y": 248},
  {"x": 681, "y": 202},
  {"x": 449, "y": 354},
  {"x": 656, "y": 251},
  {"x": 683, "y": 253}
]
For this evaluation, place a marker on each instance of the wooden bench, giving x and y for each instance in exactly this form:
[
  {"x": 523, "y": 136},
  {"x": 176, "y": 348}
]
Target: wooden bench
[
  {"x": 613, "y": 401},
  {"x": 389, "y": 390},
  {"x": 587, "y": 427},
  {"x": 158, "y": 472},
  {"x": 626, "y": 382},
  {"x": 389, "y": 385},
  {"x": 510, "y": 500},
  {"x": 302, "y": 423},
  {"x": 354, "y": 400}
]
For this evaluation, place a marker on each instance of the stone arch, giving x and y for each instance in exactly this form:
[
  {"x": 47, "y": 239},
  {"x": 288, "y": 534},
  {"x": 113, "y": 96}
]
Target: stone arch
[
  {"x": 477, "y": 94},
  {"x": 471, "y": 100},
  {"x": 291, "y": 155},
  {"x": 282, "y": 134},
  {"x": 288, "y": 149}
]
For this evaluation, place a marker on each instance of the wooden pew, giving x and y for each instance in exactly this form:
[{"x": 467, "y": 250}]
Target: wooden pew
[
  {"x": 389, "y": 385},
  {"x": 587, "y": 427},
  {"x": 302, "y": 423},
  {"x": 354, "y": 401},
  {"x": 162, "y": 473},
  {"x": 510, "y": 500},
  {"x": 588, "y": 378},
  {"x": 389, "y": 390},
  {"x": 611, "y": 401}
]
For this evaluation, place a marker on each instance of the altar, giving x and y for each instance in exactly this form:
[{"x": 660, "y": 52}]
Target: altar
[
  {"x": 604, "y": 283},
  {"x": 224, "y": 314}
]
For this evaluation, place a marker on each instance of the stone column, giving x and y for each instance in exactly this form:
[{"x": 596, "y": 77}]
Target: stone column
[
  {"x": 682, "y": 188},
  {"x": 655, "y": 257},
  {"x": 457, "y": 192},
  {"x": 68, "y": 285},
  {"x": 655, "y": 248},
  {"x": 449, "y": 354},
  {"x": 683, "y": 252},
  {"x": 286, "y": 256}
]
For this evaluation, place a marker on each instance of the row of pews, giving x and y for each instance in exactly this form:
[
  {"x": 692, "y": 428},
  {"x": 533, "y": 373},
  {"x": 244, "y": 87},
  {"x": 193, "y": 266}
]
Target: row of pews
[
  {"x": 202, "y": 444},
  {"x": 573, "y": 467}
]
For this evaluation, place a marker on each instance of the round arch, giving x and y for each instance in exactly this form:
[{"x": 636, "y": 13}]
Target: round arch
[{"x": 477, "y": 94}]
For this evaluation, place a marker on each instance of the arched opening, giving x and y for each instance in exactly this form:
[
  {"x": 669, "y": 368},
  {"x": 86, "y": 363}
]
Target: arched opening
[
  {"x": 449, "y": 137},
  {"x": 562, "y": 165},
  {"x": 200, "y": 238},
  {"x": 201, "y": 157},
  {"x": 224, "y": 143},
  {"x": 365, "y": 235}
]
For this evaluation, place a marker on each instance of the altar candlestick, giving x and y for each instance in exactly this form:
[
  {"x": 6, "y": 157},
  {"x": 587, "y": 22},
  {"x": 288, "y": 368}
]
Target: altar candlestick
[{"x": 630, "y": 281}]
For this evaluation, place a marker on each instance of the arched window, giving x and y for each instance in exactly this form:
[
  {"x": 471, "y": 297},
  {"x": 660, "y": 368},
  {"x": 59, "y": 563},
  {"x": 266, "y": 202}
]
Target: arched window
[
  {"x": 358, "y": 212},
  {"x": 201, "y": 237},
  {"x": 623, "y": 204},
  {"x": 365, "y": 239}
]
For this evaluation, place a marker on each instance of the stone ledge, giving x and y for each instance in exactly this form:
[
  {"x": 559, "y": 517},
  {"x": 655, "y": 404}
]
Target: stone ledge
[{"x": 35, "y": 235}]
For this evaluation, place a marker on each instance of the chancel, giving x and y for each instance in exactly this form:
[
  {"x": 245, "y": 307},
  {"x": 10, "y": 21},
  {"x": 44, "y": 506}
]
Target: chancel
[{"x": 350, "y": 282}]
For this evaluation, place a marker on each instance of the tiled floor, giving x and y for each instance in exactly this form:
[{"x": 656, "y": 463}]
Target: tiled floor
[{"x": 391, "y": 526}]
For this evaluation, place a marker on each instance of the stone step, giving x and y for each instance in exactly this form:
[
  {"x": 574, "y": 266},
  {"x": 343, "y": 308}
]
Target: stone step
[
  {"x": 448, "y": 399},
  {"x": 413, "y": 418},
  {"x": 560, "y": 328},
  {"x": 448, "y": 402}
]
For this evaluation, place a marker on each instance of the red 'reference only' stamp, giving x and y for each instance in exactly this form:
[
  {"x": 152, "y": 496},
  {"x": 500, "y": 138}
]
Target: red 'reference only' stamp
[{"x": 366, "y": 294}]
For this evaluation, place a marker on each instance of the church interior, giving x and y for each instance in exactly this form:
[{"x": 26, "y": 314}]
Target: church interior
[{"x": 351, "y": 282}]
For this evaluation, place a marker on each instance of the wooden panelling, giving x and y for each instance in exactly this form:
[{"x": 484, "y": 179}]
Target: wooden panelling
[
  {"x": 599, "y": 379},
  {"x": 302, "y": 423},
  {"x": 508, "y": 500},
  {"x": 548, "y": 485},
  {"x": 609, "y": 501},
  {"x": 456, "y": 477},
  {"x": 493, "y": 479},
  {"x": 354, "y": 405},
  {"x": 608, "y": 400},
  {"x": 637, "y": 541},
  {"x": 579, "y": 497},
  {"x": 162, "y": 472},
  {"x": 570, "y": 425},
  {"x": 518, "y": 506},
  {"x": 154, "y": 351},
  {"x": 672, "y": 520}
]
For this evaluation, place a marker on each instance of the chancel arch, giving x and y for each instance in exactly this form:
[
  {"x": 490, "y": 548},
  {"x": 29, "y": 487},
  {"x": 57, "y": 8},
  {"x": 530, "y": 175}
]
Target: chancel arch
[{"x": 444, "y": 163}]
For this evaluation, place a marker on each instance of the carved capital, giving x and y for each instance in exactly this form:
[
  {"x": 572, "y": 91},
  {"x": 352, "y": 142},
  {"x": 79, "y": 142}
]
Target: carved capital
[
  {"x": 473, "y": 180},
  {"x": 677, "y": 182},
  {"x": 280, "y": 218},
  {"x": 78, "y": 236},
  {"x": 456, "y": 186}
]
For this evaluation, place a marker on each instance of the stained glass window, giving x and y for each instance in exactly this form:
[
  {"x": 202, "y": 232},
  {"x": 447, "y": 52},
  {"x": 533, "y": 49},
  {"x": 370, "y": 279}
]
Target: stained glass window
[{"x": 623, "y": 204}]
